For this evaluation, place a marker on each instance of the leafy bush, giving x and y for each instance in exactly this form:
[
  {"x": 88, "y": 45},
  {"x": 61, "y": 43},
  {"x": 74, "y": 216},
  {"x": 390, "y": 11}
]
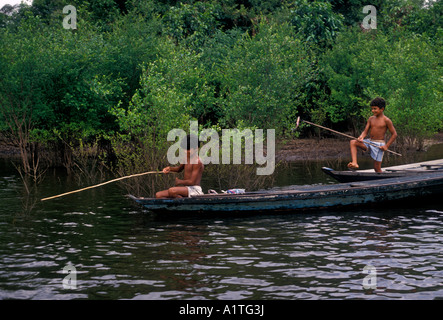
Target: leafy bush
[
  {"x": 316, "y": 21},
  {"x": 135, "y": 69},
  {"x": 405, "y": 71},
  {"x": 263, "y": 78}
]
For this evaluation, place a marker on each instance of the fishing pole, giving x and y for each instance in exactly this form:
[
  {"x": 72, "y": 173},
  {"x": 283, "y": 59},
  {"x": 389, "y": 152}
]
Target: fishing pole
[{"x": 101, "y": 184}]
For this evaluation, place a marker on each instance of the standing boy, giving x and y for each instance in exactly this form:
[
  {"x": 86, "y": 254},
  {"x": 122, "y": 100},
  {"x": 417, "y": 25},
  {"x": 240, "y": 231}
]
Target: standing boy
[
  {"x": 378, "y": 124},
  {"x": 193, "y": 170}
]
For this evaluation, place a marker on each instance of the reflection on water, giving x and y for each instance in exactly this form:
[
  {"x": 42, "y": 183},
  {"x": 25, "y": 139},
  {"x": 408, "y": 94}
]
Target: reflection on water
[{"x": 121, "y": 252}]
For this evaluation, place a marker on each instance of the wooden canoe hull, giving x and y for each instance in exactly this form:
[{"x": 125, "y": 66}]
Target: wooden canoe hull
[
  {"x": 388, "y": 173},
  {"x": 355, "y": 176},
  {"x": 305, "y": 197}
]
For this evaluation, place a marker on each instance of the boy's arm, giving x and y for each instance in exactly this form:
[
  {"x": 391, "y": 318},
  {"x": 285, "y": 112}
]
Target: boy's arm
[
  {"x": 393, "y": 134},
  {"x": 196, "y": 174},
  {"x": 365, "y": 132},
  {"x": 174, "y": 169}
]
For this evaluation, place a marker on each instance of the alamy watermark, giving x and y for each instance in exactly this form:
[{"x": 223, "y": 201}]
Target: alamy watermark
[
  {"x": 70, "y": 21},
  {"x": 210, "y": 152},
  {"x": 370, "y": 21},
  {"x": 370, "y": 281},
  {"x": 70, "y": 281}
]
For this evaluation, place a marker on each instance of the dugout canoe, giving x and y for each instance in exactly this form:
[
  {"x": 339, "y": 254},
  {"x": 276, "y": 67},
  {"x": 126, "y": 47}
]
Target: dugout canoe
[
  {"x": 356, "y": 176},
  {"x": 388, "y": 172},
  {"x": 410, "y": 187}
]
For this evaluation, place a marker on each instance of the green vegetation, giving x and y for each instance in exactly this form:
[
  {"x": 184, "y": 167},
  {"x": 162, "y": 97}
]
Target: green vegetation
[{"x": 135, "y": 69}]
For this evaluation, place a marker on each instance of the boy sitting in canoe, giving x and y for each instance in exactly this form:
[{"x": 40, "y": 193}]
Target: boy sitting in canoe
[
  {"x": 193, "y": 170},
  {"x": 378, "y": 124}
]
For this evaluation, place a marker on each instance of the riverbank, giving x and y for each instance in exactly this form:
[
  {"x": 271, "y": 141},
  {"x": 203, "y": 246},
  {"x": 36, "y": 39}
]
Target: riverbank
[
  {"x": 313, "y": 149},
  {"x": 332, "y": 149},
  {"x": 288, "y": 151},
  {"x": 8, "y": 151}
]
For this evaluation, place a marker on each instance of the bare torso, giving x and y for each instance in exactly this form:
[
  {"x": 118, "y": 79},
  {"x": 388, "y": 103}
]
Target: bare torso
[
  {"x": 378, "y": 126},
  {"x": 188, "y": 173}
]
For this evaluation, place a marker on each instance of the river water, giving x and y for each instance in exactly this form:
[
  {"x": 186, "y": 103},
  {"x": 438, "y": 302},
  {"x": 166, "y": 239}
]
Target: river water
[{"x": 113, "y": 249}]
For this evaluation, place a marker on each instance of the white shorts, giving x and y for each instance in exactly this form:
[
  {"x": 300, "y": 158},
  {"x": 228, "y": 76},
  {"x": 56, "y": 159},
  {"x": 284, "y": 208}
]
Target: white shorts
[
  {"x": 376, "y": 153},
  {"x": 194, "y": 191}
]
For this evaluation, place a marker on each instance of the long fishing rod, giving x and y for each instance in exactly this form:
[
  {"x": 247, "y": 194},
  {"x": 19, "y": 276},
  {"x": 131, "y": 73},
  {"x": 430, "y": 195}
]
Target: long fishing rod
[{"x": 101, "y": 184}]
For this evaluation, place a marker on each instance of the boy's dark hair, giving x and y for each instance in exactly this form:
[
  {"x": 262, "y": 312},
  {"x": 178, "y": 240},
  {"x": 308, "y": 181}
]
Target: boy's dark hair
[
  {"x": 378, "y": 102},
  {"x": 186, "y": 142}
]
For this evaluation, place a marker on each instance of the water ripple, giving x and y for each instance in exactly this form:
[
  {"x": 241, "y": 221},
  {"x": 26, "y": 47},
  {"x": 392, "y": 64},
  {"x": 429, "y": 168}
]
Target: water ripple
[{"x": 308, "y": 256}]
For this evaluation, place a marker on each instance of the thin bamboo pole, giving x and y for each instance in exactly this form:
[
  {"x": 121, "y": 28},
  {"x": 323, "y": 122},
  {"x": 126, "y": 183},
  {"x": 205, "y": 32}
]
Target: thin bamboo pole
[{"x": 102, "y": 184}]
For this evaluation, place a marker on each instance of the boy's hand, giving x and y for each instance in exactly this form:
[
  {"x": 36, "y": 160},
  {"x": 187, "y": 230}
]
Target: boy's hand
[
  {"x": 177, "y": 181},
  {"x": 360, "y": 139},
  {"x": 383, "y": 148},
  {"x": 167, "y": 170}
]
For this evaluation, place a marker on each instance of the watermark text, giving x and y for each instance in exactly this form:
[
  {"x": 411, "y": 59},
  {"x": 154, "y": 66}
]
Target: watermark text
[{"x": 231, "y": 140}]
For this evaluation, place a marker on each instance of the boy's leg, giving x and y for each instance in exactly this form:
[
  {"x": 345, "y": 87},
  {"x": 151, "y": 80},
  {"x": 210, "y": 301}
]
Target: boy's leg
[
  {"x": 162, "y": 194},
  {"x": 377, "y": 166},
  {"x": 354, "y": 144},
  {"x": 178, "y": 192}
]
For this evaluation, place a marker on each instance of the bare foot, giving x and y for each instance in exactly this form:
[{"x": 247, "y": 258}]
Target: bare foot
[{"x": 352, "y": 166}]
